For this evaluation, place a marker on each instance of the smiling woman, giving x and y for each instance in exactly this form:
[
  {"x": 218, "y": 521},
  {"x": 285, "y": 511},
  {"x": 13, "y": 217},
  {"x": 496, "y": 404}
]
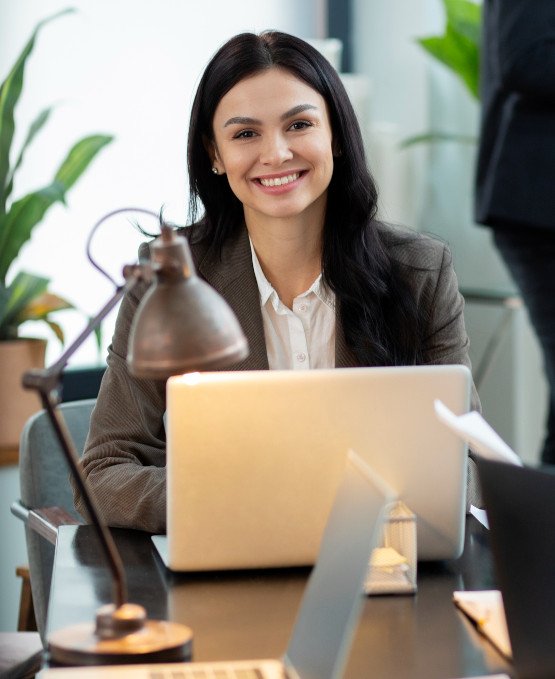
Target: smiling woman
[{"x": 282, "y": 211}]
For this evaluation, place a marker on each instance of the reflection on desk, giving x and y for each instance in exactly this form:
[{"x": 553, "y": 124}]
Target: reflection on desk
[{"x": 249, "y": 614}]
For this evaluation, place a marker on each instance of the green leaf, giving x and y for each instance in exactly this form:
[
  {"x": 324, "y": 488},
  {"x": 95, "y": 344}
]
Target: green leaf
[
  {"x": 98, "y": 337},
  {"x": 17, "y": 225},
  {"x": 22, "y": 291},
  {"x": 35, "y": 128},
  {"x": 40, "y": 307},
  {"x": 10, "y": 91},
  {"x": 458, "y": 53},
  {"x": 79, "y": 158},
  {"x": 24, "y": 214},
  {"x": 459, "y": 47},
  {"x": 465, "y": 17}
]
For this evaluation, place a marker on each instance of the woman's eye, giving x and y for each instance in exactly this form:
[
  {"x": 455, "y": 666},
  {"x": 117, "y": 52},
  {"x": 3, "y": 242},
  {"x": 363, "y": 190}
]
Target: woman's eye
[
  {"x": 300, "y": 125},
  {"x": 244, "y": 134}
]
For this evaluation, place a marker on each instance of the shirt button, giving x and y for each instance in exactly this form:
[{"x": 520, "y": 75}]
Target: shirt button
[
  {"x": 302, "y": 307},
  {"x": 301, "y": 357}
]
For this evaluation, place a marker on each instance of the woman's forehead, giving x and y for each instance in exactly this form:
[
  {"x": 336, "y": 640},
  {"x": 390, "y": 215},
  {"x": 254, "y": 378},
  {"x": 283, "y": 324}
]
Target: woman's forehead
[{"x": 274, "y": 89}]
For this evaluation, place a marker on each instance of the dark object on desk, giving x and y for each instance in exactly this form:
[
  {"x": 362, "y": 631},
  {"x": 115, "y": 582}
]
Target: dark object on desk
[{"x": 521, "y": 512}]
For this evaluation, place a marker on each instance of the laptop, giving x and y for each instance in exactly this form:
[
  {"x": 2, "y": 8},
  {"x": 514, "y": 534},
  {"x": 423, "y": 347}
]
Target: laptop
[
  {"x": 520, "y": 505},
  {"x": 331, "y": 604},
  {"x": 254, "y": 459}
]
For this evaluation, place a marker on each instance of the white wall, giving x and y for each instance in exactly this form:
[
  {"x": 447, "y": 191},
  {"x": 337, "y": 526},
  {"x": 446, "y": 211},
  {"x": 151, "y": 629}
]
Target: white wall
[
  {"x": 430, "y": 188},
  {"x": 128, "y": 68}
]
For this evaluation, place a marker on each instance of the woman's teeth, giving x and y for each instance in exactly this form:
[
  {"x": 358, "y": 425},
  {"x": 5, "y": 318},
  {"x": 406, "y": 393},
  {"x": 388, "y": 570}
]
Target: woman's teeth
[{"x": 280, "y": 181}]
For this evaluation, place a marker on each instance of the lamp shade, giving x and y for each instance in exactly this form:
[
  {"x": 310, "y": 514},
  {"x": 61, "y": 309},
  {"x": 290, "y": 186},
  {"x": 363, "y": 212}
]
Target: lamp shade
[{"x": 182, "y": 324}]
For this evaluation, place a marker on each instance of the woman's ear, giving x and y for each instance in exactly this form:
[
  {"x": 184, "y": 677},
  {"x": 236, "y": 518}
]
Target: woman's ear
[{"x": 212, "y": 150}]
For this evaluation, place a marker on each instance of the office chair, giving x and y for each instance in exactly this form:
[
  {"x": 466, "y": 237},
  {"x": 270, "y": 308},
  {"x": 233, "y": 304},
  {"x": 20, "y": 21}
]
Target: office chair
[{"x": 46, "y": 497}]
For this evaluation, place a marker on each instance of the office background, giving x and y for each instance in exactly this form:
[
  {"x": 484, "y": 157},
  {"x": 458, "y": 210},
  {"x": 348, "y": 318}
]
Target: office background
[{"x": 129, "y": 68}]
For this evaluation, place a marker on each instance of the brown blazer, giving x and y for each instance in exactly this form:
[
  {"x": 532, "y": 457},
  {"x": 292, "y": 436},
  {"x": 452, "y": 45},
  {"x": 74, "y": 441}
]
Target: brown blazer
[{"x": 125, "y": 453}]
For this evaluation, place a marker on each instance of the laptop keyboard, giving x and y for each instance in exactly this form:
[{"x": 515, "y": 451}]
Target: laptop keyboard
[{"x": 219, "y": 673}]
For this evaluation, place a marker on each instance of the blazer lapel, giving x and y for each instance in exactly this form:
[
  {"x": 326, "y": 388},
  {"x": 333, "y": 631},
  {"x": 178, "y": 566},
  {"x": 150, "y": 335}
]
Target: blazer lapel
[{"x": 233, "y": 277}]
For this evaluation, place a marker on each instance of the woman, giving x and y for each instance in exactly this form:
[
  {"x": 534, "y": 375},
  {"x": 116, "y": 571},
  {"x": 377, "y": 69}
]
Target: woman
[{"x": 289, "y": 238}]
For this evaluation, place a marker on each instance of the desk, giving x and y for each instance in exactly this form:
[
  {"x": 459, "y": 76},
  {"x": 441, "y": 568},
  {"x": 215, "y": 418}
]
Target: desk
[{"x": 250, "y": 614}]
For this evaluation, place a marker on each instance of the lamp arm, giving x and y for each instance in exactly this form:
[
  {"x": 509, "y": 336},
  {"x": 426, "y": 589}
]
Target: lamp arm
[{"x": 47, "y": 383}]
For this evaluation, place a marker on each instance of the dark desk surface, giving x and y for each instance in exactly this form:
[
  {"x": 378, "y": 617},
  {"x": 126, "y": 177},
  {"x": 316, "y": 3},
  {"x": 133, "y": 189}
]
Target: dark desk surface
[{"x": 250, "y": 614}]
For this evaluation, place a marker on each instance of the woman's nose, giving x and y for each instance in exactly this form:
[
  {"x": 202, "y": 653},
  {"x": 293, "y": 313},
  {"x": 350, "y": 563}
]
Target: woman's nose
[{"x": 275, "y": 150}]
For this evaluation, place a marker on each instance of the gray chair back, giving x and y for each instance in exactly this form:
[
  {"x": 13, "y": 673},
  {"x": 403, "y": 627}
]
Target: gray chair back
[{"x": 44, "y": 482}]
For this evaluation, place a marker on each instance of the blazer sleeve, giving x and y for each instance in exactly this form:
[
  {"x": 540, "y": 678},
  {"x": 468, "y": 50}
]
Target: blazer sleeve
[
  {"x": 125, "y": 452},
  {"x": 446, "y": 340}
]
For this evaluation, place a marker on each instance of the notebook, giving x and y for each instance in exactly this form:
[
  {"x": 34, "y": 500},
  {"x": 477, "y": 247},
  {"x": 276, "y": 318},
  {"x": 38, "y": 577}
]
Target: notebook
[
  {"x": 520, "y": 505},
  {"x": 320, "y": 641},
  {"x": 254, "y": 459}
]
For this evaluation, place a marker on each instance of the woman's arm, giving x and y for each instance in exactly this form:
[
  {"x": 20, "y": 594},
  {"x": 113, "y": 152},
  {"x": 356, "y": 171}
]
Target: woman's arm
[{"x": 125, "y": 453}]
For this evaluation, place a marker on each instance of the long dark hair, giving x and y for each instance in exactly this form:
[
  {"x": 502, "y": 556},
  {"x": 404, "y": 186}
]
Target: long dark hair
[{"x": 378, "y": 315}]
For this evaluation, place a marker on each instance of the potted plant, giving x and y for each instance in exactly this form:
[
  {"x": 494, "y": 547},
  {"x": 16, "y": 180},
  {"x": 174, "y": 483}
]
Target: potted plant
[{"x": 25, "y": 296}]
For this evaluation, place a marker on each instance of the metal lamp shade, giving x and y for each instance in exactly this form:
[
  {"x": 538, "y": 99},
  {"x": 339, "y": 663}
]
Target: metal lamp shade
[{"x": 182, "y": 324}]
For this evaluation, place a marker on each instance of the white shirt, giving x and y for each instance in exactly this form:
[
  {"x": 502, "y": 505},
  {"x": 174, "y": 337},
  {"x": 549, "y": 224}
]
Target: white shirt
[{"x": 300, "y": 338}]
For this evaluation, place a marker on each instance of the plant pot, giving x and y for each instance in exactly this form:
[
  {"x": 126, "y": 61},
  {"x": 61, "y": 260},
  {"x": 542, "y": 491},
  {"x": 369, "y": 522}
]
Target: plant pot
[{"x": 16, "y": 403}]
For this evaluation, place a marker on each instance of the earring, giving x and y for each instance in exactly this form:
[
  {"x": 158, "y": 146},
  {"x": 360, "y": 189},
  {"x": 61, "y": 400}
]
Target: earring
[{"x": 215, "y": 170}]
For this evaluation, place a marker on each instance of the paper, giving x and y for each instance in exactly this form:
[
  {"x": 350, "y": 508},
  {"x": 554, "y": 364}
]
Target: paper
[
  {"x": 480, "y": 515},
  {"x": 480, "y": 436},
  {"x": 485, "y": 609}
]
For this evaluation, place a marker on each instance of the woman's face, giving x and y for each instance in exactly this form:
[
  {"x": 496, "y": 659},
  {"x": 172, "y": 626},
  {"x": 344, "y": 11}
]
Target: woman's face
[{"x": 273, "y": 139}]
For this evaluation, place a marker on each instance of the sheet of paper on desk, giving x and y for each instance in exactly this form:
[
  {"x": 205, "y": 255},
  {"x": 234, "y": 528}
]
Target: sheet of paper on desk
[
  {"x": 485, "y": 609},
  {"x": 478, "y": 434}
]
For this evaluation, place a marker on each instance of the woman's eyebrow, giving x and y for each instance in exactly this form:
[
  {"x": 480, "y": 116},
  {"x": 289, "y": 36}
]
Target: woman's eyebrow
[
  {"x": 242, "y": 120},
  {"x": 298, "y": 109},
  {"x": 246, "y": 120}
]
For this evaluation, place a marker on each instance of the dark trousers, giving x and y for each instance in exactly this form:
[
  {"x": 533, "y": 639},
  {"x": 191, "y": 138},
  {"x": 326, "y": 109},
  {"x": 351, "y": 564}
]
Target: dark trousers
[{"x": 529, "y": 254}]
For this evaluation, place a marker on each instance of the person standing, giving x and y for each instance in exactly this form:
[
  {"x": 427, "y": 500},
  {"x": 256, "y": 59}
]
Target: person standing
[{"x": 515, "y": 177}]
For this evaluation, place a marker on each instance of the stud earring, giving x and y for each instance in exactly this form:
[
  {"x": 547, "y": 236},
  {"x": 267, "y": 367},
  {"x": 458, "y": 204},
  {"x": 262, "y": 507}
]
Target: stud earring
[{"x": 215, "y": 170}]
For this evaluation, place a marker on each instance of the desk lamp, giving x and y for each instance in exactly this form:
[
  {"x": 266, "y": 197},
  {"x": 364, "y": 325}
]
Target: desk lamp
[{"x": 181, "y": 324}]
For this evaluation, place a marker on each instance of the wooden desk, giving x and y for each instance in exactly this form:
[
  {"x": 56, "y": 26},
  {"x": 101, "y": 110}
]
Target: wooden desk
[{"x": 250, "y": 614}]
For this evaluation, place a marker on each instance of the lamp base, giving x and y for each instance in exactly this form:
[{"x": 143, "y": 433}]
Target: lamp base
[{"x": 121, "y": 635}]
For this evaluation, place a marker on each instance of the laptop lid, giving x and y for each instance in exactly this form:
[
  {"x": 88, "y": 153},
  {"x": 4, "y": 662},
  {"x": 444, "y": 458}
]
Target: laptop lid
[
  {"x": 254, "y": 459},
  {"x": 331, "y": 604},
  {"x": 520, "y": 505}
]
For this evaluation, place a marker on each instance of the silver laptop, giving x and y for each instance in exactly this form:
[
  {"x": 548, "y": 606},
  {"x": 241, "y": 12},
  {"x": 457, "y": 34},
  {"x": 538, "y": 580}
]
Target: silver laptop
[
  {"x": 330, "y": 608},
  {"x": 254, "y": 459}
]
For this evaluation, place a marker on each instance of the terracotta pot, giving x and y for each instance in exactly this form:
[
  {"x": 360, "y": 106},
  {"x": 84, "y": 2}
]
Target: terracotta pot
[{"x": 17, "y": 404}]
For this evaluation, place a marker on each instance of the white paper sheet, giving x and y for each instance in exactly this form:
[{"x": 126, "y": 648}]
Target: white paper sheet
[{"x": 480, "y": 436}]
